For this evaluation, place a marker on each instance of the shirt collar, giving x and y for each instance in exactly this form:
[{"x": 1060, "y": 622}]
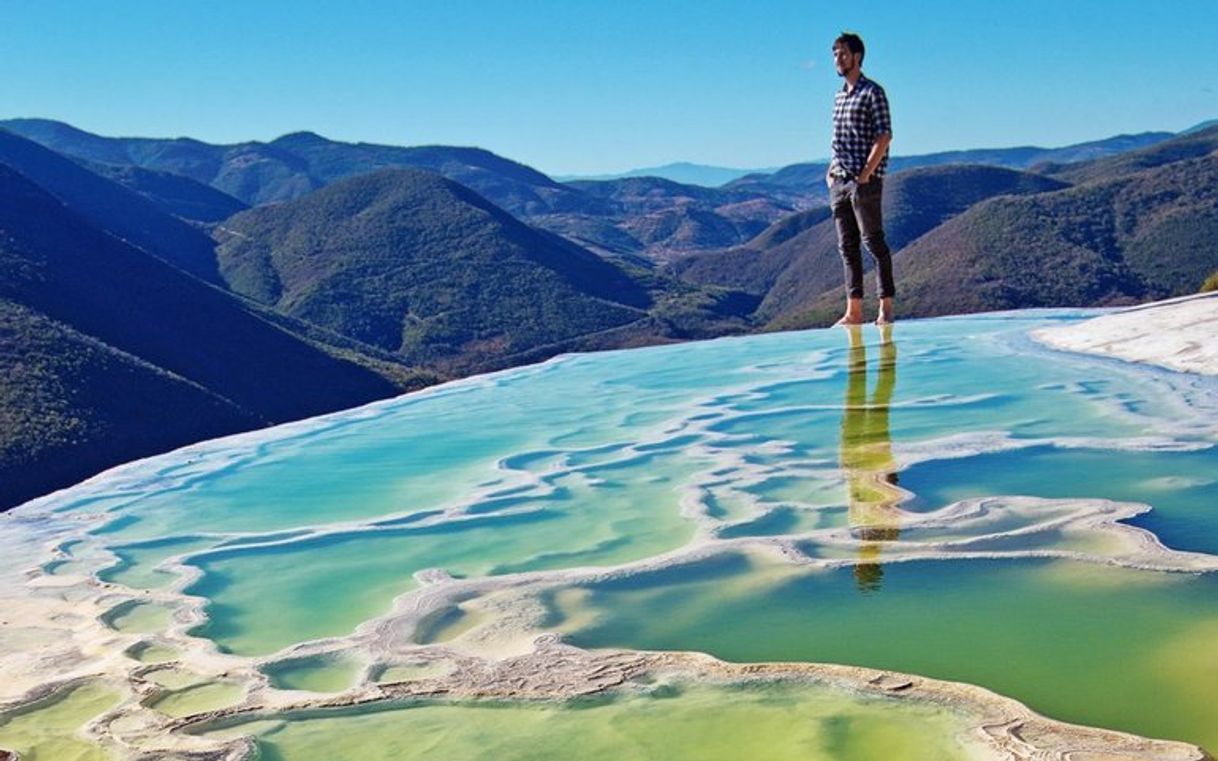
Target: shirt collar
[{"x": 862, "y": 78}]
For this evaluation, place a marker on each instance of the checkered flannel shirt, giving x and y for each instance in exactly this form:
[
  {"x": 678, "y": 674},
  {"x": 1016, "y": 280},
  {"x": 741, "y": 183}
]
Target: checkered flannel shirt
[{"x": 859, "y": 117}]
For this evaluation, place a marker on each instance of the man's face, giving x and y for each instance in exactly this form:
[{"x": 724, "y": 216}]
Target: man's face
[{"x": 844, "y": 60}]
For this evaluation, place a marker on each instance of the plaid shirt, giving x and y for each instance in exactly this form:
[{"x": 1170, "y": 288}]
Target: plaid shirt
[{"x": 859, "y": 117}]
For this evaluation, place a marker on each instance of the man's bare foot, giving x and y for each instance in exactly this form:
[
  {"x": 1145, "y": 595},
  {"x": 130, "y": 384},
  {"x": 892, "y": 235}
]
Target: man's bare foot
[
  {"x": 848, "y": 321},
  {"x": 854, "y": 313},
  {"x": 886, "y": 316}
]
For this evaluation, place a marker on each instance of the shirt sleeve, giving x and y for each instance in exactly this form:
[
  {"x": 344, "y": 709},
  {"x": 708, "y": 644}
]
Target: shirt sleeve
[{"x": 880, "y": 116}]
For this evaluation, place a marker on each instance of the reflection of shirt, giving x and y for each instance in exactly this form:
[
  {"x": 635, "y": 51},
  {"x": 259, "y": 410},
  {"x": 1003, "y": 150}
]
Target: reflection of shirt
[{"x": 859, "y": 117}]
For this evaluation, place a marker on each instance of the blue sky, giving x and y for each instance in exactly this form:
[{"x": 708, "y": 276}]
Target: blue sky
[{"x": 585, "y": 87}]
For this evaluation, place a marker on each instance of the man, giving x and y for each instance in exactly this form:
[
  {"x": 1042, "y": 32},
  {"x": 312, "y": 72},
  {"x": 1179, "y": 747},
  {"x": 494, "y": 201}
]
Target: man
[{"x": 862, "y": 130}]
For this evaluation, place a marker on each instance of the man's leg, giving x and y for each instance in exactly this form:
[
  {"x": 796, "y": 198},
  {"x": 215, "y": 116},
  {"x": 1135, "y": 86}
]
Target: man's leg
[
  {"x": 870, "y": 220},
  {"x": 848, "y": 244}
]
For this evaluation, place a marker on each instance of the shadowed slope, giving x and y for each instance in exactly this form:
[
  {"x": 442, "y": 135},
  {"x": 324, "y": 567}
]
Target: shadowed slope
[
  {"x": 72, "y": 405},
  {"x": 111, "y": 353},
  {"x": 173, "y": 193},
  {"x": 112, "y": 207}
]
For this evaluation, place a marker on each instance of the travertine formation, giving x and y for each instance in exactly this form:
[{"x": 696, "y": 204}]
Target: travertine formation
[
  {"x": 1180, "y": 334},
  {"x": 64, "y": 634},
  {"x": 62, "y": 626}
]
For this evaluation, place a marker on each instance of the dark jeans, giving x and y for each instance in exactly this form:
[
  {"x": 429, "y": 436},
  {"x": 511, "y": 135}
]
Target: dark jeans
[{"x": 856, "y": 209}]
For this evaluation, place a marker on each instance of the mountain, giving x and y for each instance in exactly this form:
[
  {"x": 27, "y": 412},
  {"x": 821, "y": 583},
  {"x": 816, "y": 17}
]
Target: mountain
[
  {"x": 416, "y": 264},
  {"x": 796, "y": 260},
  {"x": 73, "y": 405},
  {"x": 1192, "y": 144},
  {"x": 296, "y": 164},
  {"x": 682, "y": 172},
  {"x": 659, "y": 219},
  {"x": 1201, "y": 126},
  {"x": 172, "y": 193},
  {"x": 111, "y": 207},
  {"x": 111, "y": 353},
  {"x": 755, "y": 266},
  {"x": 513, "y": 186},
  {"x": 1140, "y": 237},
  {"x": 803, "y": 183}
]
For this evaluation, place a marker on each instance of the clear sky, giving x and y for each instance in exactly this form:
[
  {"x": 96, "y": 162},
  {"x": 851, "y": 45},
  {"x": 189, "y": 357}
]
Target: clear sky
[{"x": 570, "y": 86}]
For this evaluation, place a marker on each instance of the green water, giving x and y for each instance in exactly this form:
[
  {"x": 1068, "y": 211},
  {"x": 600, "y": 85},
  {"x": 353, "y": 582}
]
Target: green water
[
  {"x": 139, "y": 617},
  {"x": 293, "y": 485},
  {"x": 199, "y": 698},
  {"x": 173, "y": 679},
  {"x": 317, "y": 674},
  {"x": 408, "y": 672},
  {"x": 151, "y": 653},
  {"x": 50, "y": 730},
  {"x": 698, "y": 723},
  {"x": 1091, "y": 644}
]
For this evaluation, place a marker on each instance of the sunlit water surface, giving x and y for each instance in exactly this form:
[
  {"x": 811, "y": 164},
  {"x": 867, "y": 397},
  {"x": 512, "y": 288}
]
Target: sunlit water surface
[{"x": 612, "y": 459}]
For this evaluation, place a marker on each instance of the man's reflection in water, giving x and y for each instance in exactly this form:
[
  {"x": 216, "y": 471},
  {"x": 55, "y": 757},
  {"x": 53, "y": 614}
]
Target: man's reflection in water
[{"x": 866, "y": 455}]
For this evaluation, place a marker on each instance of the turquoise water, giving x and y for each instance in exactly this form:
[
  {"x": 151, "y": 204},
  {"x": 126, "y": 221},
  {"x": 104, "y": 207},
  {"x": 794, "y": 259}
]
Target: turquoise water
[
  {"x": 612, "y": 460},
  {"x": 1182, "y": 486},
  {"x": 350, "y": 578}
]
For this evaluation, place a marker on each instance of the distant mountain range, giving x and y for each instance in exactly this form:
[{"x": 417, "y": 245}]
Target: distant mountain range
[
  {"x": 294, "y": 165},
  {"x": 803, "y": 184},
  {"x": 155, "y": 292},
  {"x": 682, "y": 172},
  {"x": 657, "y": 220}
]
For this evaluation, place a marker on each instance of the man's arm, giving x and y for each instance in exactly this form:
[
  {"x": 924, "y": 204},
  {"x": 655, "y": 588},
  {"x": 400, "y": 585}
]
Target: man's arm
[
  {"x": 881, "y": 118},
  {"x": 875, "y": 157}
]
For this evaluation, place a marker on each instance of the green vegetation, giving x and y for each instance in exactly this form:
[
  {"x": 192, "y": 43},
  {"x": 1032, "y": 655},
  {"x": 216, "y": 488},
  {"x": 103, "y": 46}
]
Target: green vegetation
[
  {"x": 1140, "y": 226},
  {"x": 1211, "y": 283},
  {"x": 421, "y": 267},
  {"x": 1135, "y": 238}
]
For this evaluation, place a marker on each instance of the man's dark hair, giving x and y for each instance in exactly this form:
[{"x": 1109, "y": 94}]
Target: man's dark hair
[{"x": 853, "y": 42}]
